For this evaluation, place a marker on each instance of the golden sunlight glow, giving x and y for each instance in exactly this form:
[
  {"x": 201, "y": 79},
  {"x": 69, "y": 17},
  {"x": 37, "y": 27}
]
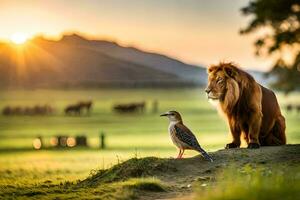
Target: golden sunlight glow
[
  {"x": 18, "y": 38},
  {"x": 37, "y": 143}
]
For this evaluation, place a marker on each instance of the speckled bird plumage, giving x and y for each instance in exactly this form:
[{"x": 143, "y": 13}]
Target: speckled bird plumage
[{"x": 183, "y": 137}]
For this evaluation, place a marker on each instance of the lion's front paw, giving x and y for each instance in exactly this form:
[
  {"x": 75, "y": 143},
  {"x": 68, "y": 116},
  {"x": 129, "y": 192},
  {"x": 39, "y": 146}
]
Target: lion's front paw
[
  {"x": 253, "y": 146},
  {"x": 231, "y": 146}
]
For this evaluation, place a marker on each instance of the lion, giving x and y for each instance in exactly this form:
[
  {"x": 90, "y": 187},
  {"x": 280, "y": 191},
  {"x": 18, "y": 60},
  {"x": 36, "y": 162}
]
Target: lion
[{"x": 251, "y": 109}]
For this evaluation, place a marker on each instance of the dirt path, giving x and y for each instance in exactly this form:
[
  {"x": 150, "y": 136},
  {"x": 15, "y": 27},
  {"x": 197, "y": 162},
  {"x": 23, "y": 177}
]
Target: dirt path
[{"x": 181, "y": 174}]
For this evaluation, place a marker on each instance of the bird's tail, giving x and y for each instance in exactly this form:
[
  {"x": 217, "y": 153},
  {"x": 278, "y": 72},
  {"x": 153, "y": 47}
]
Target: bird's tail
[{"x": 204, "y": 154}]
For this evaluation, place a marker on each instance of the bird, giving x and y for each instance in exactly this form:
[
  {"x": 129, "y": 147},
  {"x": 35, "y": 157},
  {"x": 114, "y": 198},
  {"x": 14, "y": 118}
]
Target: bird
[{"x": 182, "y": 136}]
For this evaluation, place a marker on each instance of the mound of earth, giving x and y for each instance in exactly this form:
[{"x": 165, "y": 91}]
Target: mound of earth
[
  {"x": 133, "y": 168},
  {"x": 179, "y": 174}
]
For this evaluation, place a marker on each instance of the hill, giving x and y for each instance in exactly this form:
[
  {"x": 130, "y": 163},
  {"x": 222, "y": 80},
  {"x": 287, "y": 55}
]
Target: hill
[
  {"x": 76, "y": 61},
  {"x": 265, "y": 173},
  {"x": 182, "y": 174}
]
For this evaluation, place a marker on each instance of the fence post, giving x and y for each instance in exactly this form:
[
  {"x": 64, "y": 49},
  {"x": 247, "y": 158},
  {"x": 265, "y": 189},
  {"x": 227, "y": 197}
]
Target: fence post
[
  {"x": 155, "y": 106},
  {"x": 102, "y": 140}
]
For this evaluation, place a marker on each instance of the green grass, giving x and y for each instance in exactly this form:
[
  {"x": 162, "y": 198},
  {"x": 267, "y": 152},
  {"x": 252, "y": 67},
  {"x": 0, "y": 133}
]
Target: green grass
[
  {"x": 253, "y": 182},
  {"x": 130, "y": 130},
  {"x": 145, "y": 184},
  {"x": 126, "y": 190},
  {"x": 128, "y": 136},
  {"x": 248, "y": 182}
]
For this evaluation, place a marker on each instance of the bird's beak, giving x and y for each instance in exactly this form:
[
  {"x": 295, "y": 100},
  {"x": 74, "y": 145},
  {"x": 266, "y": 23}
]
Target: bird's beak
[{"x": 165, "y": 114}]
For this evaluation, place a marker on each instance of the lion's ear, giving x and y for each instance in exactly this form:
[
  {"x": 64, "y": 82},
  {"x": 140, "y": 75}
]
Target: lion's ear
[
  {"x": 229, "y": 71},
  {"x": 211, "y": 69}
]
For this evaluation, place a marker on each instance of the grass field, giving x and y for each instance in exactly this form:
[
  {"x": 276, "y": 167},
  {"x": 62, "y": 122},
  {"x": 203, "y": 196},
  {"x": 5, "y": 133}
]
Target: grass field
[{"x": 128, "y": 135}]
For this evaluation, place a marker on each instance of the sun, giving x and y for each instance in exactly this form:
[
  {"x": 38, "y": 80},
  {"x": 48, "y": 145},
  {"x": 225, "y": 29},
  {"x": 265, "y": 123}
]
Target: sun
[{"x": 18, "y": 38}]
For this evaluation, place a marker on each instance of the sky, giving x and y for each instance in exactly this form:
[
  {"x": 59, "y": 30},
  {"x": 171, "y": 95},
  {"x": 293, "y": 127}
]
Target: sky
[{"x": 200, "y": 32}]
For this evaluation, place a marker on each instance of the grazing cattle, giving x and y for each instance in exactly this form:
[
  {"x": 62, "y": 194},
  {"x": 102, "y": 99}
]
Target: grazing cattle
[
  {"x": 298, "y": 109},
  {"x": 122, "y": 108},
  {"x": 39, "y": 110},
  {"x": 18, "y": 111},
  {"x": 130, "y": 107},
  {"x": 7, "y": 110},
  {"x": 78, "y": 108},
  {"x": 86, "y": 105},
  {"x": 140, "y": 106},
  {"x": 27, "y": 110},
  {"x": 73, "y": 109},
  {"x": 289, "y": 107},
  {"x": 49, "y": 109}
]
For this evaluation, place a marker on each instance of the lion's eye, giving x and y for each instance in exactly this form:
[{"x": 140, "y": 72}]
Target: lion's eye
[{"x": 220, "y": 80}]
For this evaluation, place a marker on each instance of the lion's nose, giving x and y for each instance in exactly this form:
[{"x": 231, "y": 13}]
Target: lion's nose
[{"x": 207, "y": 90}]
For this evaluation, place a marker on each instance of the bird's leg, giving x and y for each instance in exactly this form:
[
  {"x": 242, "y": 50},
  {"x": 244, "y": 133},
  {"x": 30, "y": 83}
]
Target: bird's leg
[
  {"x": 179, "y": 154},
  {"x": 182, "y": 152}
]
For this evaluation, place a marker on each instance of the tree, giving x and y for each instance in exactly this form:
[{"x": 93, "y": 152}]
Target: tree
[{"x": 280, "y": 22}]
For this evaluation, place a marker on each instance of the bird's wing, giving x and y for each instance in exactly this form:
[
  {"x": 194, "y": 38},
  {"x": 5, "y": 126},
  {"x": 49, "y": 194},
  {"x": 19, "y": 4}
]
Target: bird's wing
[{"x": 186, "y": 136}]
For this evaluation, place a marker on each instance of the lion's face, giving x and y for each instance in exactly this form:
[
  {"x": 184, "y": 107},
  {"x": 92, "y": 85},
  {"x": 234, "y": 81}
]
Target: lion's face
[
  {"x": 216, "y": 87},
  {"x": 223, "y": 85}
]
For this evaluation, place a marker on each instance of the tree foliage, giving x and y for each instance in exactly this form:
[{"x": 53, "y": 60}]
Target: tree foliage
[{"x": 280, "y": 20}]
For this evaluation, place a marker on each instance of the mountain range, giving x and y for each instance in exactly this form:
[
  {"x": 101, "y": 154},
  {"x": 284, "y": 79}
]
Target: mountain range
[{"x": 74, "y": 61}]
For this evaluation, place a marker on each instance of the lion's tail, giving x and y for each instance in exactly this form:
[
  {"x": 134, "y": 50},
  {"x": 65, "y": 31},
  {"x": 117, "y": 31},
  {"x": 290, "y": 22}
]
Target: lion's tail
[
  {"x": 278, "y": 132},
  {"x": 280, "y": 126}
]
